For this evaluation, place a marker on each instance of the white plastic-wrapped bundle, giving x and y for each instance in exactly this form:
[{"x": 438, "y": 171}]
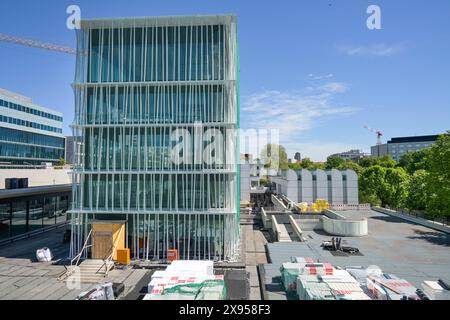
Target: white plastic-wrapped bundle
[
  {"x": 317, "y": 269},
  {"x": 193, "y": 266},
  {"x": 304, "y": 260},
  {"x": 44, "y": 255},
  {"x": 341, "y": 276},
  {"x": 309, "y": 287}
]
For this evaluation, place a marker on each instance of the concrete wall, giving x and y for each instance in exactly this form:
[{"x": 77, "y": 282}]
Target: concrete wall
[
  {"x": 300, "y": 187},
  {"x": 352, "y": 193},
  {"x": 291, "y": 185},
  {"x": 321, "y": 185},
  {"x": 338, "y": 225},
  {"x": 245, "y": 182},
  {"x": 345, "y": 228},
  {"x": 305, "y": 186},
  {"x": 412, "y": 219},
  {"x": 37, "y": 177},
  {"x": 337, "y": 193}
]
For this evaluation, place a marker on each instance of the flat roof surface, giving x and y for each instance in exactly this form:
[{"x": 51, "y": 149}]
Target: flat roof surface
[
  {"x": 410, "y": 251},
  {"x": 414, "y": 139}
]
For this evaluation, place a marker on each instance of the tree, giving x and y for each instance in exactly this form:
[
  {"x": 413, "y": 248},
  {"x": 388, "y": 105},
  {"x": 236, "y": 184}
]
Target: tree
[
  {"x": 413, "y": 161},
  {"x": 385, "y": 161},
  {"x": 274, "y": 156},
  {"x": 418, "y": 191},
  {"x": 61, "y": 162},
  {"x": 395, "y": 187},
  {"x": 263, "y": 182},
  {"x": 383, "y": 186},
  {"x": 295, "y": 166},
  {"x": 370, "y": 184},
  {"x": 307, "y": 164},
  {"x": 438, "y": 181},
  {"x": 348, "y": 164},
  {"x": 333, "y": 162}
]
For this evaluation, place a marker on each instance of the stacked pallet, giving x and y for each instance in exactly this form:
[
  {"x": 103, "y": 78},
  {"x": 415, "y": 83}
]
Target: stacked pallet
[{"x": 186, "y": 280}]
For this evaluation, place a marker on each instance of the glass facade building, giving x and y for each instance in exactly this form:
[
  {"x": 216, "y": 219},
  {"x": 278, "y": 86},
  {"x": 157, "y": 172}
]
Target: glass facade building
[
  {"x": 29, "y": 134},
  {"x": 33, "y": 209},
  {"x": 144, "y": 88}
]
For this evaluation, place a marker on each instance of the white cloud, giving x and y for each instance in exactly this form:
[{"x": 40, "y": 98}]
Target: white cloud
[
  {"x": 372, "y": 50},
  {"x": 294, "y": 112},
  {"x": 320, "y": 77}
]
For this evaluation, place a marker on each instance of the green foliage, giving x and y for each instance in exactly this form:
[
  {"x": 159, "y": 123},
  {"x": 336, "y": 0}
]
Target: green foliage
[
  {"x": 307, "y": 164},
  {"x": 385, "y": 161},
  {"x": 370, "y": 184},
  {"x": 418, "y": 191},
  {"x": 413, "y": 161},
  {"x": 295, "y": 166},
  {"x": 263, "y": 182},
  {"x": 395, "y": 187},
  {"x": 385, "y": 186},
  {"x": 334, "y": 162},
  {"x": 61, "y": 162},
  {"x": 438, "y": 180},
  {"x": 348, "y": 164},
  {"x": 274, "y": 156}
]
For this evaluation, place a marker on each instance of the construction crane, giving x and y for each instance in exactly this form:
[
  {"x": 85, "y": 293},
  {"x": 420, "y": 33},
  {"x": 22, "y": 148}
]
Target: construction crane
[
  {"x": 36, "y": 44},
  {"x": 377, "y": 132}
]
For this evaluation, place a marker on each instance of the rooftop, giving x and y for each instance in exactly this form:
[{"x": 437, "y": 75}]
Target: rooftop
[
  {"x": 414, "y": 139},
  {"x": 410, "y": 251},
  {"x": 159, "y": 21}
]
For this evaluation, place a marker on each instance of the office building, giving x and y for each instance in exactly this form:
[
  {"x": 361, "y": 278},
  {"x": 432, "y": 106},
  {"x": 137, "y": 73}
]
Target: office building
[
  {"x": 33, "y": 210},
  {"x": 69, "y": 155},
  {"x": 335, "y": 186},
  {"x": 298, "y": 157},
  {"x": 397, "y": 147},
  {"x": 139, "y": 84},
  {"x": 353, "y": 155},
  {"x": 29, "y": 134}
]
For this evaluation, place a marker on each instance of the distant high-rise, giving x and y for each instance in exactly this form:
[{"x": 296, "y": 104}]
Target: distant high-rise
[
  {"x": 298, "y": 156},
  {"x": 29, "y": 134},
  {"x": 397, "y": 147},
  {"x": 139, "y": 84},
  {"x": 353, "y": 154}
]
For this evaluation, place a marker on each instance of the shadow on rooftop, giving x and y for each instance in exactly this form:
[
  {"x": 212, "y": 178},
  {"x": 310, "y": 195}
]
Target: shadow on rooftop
[
  {"x": 434, "y": 237},
  {"x": 387, "y": 218},
  {"x": 26, "y": 248}
]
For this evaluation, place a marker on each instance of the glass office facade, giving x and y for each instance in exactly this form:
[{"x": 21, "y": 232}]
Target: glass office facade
[
  {"x": 29, "y": 136},
  {"x": 22, "y": 214},
  {"x": 22, "y": 108},
  {"x": 140, "y": 83}
]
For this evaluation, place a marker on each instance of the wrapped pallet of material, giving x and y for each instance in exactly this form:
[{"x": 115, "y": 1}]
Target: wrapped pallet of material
[
  {"x": 350, "y": 295},
  {"x": 194, "y": 266},
  {"x": 396, "y": 289},
  {"x": 309, "y": 287},
  {"x": 302, "y": 260},
  {"x": 212, "y": 290},
  {"x": 377, "y": 291},
  {"x": 317, "y": 269},
  {"x": 338, "y": 276},
  {"x": 435, "y": 291},
  {"x": 289, "y": 273},
  {"x": 344, "y": 287}
]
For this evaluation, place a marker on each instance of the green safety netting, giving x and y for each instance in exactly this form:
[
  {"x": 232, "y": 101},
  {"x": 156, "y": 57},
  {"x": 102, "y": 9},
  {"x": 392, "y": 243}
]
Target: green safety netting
[{"x": 207, "y": 290}]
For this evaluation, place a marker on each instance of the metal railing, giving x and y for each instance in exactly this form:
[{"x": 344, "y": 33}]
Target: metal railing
[
  {"x": 108, "y": 260},
  {"x": 77, "y": 258}
]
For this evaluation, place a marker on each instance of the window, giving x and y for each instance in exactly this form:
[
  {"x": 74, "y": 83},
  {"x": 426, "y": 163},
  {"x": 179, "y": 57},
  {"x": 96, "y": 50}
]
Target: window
[{"x": 21, "y": 108}]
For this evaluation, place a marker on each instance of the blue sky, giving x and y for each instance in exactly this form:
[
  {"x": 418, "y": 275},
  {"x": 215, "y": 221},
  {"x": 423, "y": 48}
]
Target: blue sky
[{"x": 309, "y": 68}]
